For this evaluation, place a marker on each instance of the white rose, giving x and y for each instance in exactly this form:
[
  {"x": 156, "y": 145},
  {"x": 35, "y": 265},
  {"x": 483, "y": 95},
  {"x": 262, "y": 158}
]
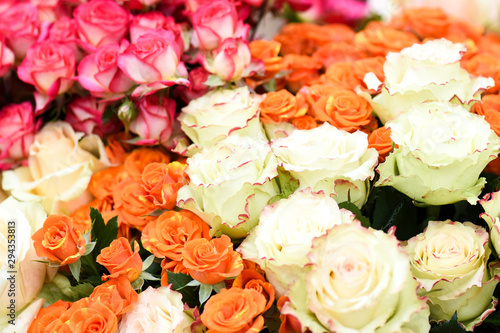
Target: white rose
[
  {"x": 360, "y": 281},
  {"x": 156, "y": 310},
  {"x": 18, "y": 222},
  {"x": 424, "y": 72},
  {"x": 212, "y": 117},
  {"x": 449, "y": 259},
  {"x": 330, "y": 160},
  {"x": 60, "y": 165},
  {"x": 441, "y": 150},
  {"x": 286, "y": 229},
  {"x": 230, "y": 183}
]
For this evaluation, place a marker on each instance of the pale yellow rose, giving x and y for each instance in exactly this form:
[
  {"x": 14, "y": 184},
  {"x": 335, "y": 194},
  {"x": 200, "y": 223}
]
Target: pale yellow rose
[
  {"x": 359, "y": 281},
  {"x": 441, "y": 151},
  {"x": 330, "y": 160},
  {"x": 18, "y": 222},
  {"x": 60, "y": 164},
  {"x": 213, "y": 116},
  {"x": 424, "y": 72},
  {"x": 450, "y": 261},
  {"x": 491, "y": 205},
  {"x": 282, "y": 239},
  {"x": 230, "y": 183},
  {"x": 157, "y": 310}
]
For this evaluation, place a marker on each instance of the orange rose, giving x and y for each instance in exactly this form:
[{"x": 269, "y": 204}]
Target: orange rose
[
  {"x": 369, "y": 65},
  {"x": 490, "y": 109},
  {"x": 489, "y": 43},
  {"x": 132, "y": 204},
  {"x": 138, "y": 159},
  {"x": 380, "y": 139},
  {"x": 47, "y": 315},
  {"x": 342, "y": 74},
  {"x": 268, "y": 52},
  {"x": 85, "y": 316},
  {"x": 308, "y": 96},
  {"x": 461, "y": 32},
  {"x": 166, "y": 236},
  {"x": 424, "y": 22},
  {"x": 304, "y": 123},
  {"x": 494, "y": 166},
  {"x": 289, "y": 323},
  {"x": 250, "y": 279},
  {"x": 234, "y": 310},
  {"x": 210, "y": 262},
  {"x": 486, "y": 65},
  {"x": 59, "y": 240},
  {"x": 304, "y": 71},
  {"x": 102, "y": 183},
  {"x": 278, "y": 107},
  {"x": 337, "y": 52},
  {"x": 162, "y": 181},
  {"x": 379, "y": 39},
  {"x": 119, "y": 259},
  {"x": 117, "y": 294},
  {"x": 343, "y": 109},
  {"x": 116, "y": 148}
]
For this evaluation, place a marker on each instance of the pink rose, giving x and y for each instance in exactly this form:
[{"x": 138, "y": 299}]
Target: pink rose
[
  {"x": 65, "y": 31},
  {"x": 229, "y": 60},
  {"x": 85, "y": 115},
  {"x": 197, "y": 87},
  {"x": 101, "y": 22},
  {"x": 155, "y": 119},
  {"x": 21, "y": 27},
  {"x": 49, "y": 66},
  {"x": 6, "y": 57},
  {"x": 142, "y": 23},
  {"x": 99, "y": 73},
  {"x": 48, "y": 10},
  {"x": 17, "y": 133},
  {"x": 138, "y": 4},
  {"x": 6, "y": 4},
  {"x": 213, "y": 22},
  {"x": 153, "y": 61}
]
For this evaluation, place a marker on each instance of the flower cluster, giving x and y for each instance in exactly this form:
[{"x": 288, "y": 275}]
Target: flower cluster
[{"x": 176, "y": 166}]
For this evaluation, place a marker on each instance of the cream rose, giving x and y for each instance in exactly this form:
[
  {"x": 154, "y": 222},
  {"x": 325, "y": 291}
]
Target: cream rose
[
  {"x": 359, "y": 281},
  {"x": 330, "y": 160},
  {"x": 212, "y": 117},
  {"x": 286, "y": 229},
  {"x": 449, "y": 260},
  {"x": 60, "y": 165},
  {"x": 424, "y": 72},
  {"x": 156, "y": 310},
  {"x": 18, "y": 222},
  {"x": 441, "y": 150},
  {"x": 230, "y": 183}
]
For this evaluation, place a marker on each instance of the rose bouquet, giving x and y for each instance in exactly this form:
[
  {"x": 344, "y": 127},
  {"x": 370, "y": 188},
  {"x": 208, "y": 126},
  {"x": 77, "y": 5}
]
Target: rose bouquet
[{"x": 220, "y": 166}]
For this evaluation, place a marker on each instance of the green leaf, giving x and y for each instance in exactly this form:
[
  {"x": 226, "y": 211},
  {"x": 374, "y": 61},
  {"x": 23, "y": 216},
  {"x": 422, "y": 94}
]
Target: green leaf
[
  {"x": 82, "y": 290},
  {"x": 355, "y": 210},
  {"x": 286, "y": 183},
  {"x": 214, "y": 81},
  {"x": 205, "y": 292},
  {"x": 219, "y": 286},
  {"x": 149, "y": 260},
  {"x": 450, "y": 326},
  {"x": 179, "y": 283},
  {"x": 148, "y": 276},
  {"x": 193, "y": 283},
  {"x": 270, "y": 85},
  {"x": 178, "y": 280},
  {"x": 102, "y": 234},
  {"x": 75, "y": 269},
  {"x": 157, "y": 212},
  {"x": 138, "y": 283},
  {"x": 88, "y": 248}
]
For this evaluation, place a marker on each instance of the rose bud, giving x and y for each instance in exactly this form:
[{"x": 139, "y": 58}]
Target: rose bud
[
  {"x": 229, "y": 60},
  {"x": 120, "y": 260},
  {"x": 155, "y": 119},
  {"x": 142, "y": 23}
]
